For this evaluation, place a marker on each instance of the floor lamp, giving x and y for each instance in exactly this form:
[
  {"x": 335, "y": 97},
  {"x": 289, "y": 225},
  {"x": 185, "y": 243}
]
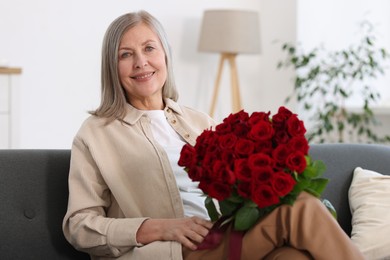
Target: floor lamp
[{"x": 229, "y": 32}]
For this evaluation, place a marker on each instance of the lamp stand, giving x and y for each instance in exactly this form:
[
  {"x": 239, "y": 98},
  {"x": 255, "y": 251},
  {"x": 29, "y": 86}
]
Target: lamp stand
[{"x": 235, "y": 91}]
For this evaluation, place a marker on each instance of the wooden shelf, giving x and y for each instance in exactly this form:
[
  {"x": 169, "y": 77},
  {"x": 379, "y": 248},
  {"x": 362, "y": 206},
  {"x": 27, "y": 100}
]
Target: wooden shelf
[
  {"x": 8, "y": 108},
  {"x": 9, "y": 70}
]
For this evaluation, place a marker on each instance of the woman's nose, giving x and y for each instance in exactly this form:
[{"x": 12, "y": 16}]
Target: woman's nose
[{"x": 140, "y": 61}]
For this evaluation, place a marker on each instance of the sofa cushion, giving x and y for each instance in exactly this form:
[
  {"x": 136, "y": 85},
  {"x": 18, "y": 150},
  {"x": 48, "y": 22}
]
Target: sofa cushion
[
  {"x": 370, "y": 206},
  {"x": 341, "y": 160}
]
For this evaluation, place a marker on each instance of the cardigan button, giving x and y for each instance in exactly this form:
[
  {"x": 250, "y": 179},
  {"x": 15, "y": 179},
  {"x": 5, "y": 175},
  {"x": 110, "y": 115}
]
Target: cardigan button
[
  {"x": 186, "y": 136},
  {"x": 173, "y": 121}
]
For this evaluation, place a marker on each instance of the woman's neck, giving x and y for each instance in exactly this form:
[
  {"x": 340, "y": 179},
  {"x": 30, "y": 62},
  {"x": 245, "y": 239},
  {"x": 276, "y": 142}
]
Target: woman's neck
[{"x": 148, "y": 104}]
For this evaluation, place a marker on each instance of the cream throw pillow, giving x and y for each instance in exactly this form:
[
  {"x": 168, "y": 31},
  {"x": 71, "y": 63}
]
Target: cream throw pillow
[{"x": 369, "y": 200}]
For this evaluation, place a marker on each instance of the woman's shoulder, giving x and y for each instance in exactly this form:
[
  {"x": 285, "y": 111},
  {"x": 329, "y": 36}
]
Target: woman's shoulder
[
  {"x": 195, "y": 112},
  {"x": 187, "y": 111},
  {"x": 197, "y": 117},
  {"x": 91, "y": 126},
  {"x": 93, "y": 121}
]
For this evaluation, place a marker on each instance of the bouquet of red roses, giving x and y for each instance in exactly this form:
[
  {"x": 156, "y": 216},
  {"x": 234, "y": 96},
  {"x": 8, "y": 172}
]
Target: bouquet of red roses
[{"x": 251, "y": 164}]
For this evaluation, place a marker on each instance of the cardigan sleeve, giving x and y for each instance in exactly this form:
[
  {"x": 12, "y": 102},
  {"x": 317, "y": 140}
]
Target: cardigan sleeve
[{"x": 86, "y": 225}]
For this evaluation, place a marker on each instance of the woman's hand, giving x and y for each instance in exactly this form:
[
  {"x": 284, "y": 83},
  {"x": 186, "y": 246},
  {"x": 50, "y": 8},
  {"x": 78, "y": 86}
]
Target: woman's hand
[{"x": 187, "y": 231}]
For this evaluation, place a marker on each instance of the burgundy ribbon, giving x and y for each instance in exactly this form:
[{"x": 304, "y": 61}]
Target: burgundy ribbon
[
  {"x": 235, "y": 244},
  {"x": 215, "y": 236}
]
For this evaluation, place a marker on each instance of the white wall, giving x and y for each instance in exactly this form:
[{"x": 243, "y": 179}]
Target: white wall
[
  {"x": 57, "y": 44},
  {"x": 335, "y": 25}
]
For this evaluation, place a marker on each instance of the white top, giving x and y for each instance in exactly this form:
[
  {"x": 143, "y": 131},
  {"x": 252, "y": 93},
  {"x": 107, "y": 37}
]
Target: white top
[{"x": 172, "y": 142}]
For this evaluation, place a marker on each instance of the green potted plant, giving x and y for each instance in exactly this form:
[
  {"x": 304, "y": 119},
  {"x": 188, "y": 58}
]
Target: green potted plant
[{"x": 325, "y": 80}]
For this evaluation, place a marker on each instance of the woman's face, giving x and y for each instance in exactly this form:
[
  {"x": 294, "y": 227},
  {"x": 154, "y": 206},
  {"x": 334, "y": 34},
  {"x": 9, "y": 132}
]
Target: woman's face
[{"x": 142, "y": 67}]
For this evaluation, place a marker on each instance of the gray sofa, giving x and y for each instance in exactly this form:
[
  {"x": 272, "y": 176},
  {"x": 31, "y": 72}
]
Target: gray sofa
[{"x": 33, "y": 195}]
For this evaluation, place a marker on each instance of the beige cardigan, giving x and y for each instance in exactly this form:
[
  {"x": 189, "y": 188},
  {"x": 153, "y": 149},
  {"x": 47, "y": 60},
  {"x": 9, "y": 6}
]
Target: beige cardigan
[{"x": 119, "y": 176}]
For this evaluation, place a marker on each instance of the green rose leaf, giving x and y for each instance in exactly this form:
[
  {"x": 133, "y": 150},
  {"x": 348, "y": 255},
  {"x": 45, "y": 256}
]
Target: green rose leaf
[
  {"x": 314, "y": 169},
  {"x": 320, "y": 166},
  {"x": 246, "y": 217},
  {"x": 317, "y": 186},
  {"x": 228, "y": 207},
  {"x": 302, "y": 183},
  {"x": 211, "y": 209},
  {"x": 235, "y": 198}
]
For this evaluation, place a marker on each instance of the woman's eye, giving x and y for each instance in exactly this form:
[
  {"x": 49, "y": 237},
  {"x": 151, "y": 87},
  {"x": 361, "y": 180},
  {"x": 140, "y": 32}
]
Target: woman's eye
[
  {"x": 125, "y": 55},
  {"x": 149, "y": 48}
]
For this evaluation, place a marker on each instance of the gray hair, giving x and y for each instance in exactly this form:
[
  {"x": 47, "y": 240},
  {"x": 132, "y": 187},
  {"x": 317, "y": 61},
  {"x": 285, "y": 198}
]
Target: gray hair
[{"x": 113, "y": 97}]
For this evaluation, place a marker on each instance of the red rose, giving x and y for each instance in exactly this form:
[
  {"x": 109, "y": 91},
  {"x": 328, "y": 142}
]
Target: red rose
[
  {"x": 187, "y": 156},
  {"x": 241, "y": 129},
  {"x": 281, "y": 136},
  {"x": 223, "y": 173},
  {"x": 284, "y": 112},
  {"x": 244, "y": 147},
  {"x": 299, "y": 143},
  {"x": 264, "y": 196},
  {"x": 263, "y": 147},
  {"x": 280, "y": 154},
  {"x": 211, "y": 148},
  {"x": 242, "y": 115},
  {"x": 282, "y": 183},
  {"x": 280, "y": 118},
  {"x": 217, "y": 190},
  {"x": 278, "y": 122},
  {"x": 200, "y": 150},
  {"x": 259, "y": 160},
  {"x": 228, "y": 157},
  {"x": 242, "y": 170},
  {"x": 262, "y": 175},
  {"x": 295, "y": 126},
  {"x": 296, "y": 162},
  {"x": 196, "y": 173},
  {"x": 262, "y": 131},
  {"x": 257, "y": 117},
  {"x": 227, "y": 141},
  {"x": 209, "y": 159},
  {"x": 207, "y": 138},
  {"x": 237, "y": 123},
  {"x": 237, "y": 117},
  {"x": 223, "y": 128},
  {"x": 244, "y": 189}
]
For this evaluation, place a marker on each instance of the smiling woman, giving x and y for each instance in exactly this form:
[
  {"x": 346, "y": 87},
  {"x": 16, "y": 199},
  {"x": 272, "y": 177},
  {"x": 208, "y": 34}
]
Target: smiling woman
[{"x": 128, "y": 197}]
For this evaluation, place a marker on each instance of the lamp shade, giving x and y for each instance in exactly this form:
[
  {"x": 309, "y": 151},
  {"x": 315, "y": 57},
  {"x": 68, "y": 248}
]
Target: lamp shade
[{"x": 230, "y": 31}]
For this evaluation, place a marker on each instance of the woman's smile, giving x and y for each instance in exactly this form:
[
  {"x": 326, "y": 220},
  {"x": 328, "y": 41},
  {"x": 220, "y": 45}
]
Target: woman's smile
[{"x": 143, "y": 76}]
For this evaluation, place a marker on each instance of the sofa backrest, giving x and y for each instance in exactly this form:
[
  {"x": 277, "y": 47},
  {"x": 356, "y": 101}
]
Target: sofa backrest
[
  {"x": 33, "y": 202},
  {"x": 34, "y": 194},
  {"x": 341, "y": 160}
]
